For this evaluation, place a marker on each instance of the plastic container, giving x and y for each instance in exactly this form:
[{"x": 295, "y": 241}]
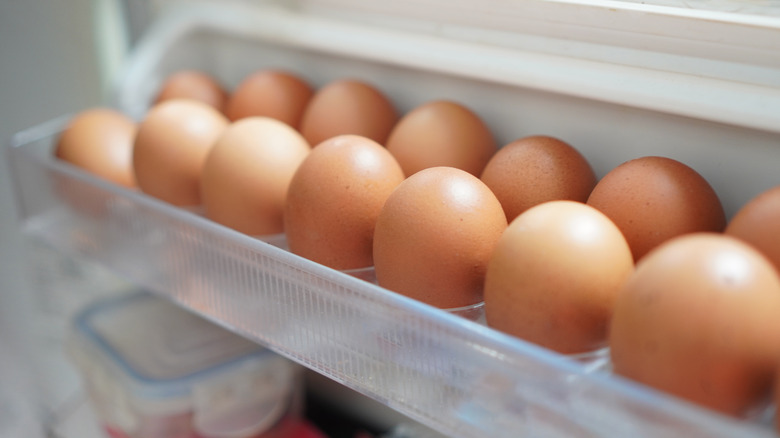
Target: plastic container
[
  {"x": 154, "y": 370},
  {"x": 617, "y": 82}
]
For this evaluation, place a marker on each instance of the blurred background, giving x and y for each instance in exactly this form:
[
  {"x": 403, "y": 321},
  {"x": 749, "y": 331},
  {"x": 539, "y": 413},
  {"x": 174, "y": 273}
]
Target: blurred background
[{"x": 57, "y": 58}]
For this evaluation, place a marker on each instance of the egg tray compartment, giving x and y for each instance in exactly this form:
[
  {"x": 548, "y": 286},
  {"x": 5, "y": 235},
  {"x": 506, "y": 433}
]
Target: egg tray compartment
[
  {"x": 461, "y": 378},
  {"x": 456, "y": 375}
]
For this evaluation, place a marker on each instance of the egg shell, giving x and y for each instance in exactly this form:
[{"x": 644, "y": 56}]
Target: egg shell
[
  {"x": 554, "y": 276},
  {"x": 100, "y": 141},
  {"x": 270, "y": 93},
  {"x": 699, "y": 319},
  {"x": 334, "y": 199},
  {"x": 247, "y": 173},
  {"x": 171, "y": 147},
  {"x": 345, "y": 107},
  {"x": 441, "y": 133},
  {"x": 435, "y": 235},
  {"x": 652, "y": 199},
  {"x": 758, "y": 224},
  {"x": 195, "y": 85},
  {"x": 537, "y": 169}
]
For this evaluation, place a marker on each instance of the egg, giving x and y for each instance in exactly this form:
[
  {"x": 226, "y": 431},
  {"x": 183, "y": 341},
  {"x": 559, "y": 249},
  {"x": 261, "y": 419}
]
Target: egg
[
  {"x": 270, "y": 93},
  {"x": 171, "y": 147},
  {"x": 758, "y": 224},
  {"x": 652, "y": 199},
  {"x": 334, "y": 199},
  {"x": 699, "y": 320},
  {"x": 554, "y": 276},
  {"x": 537, "y": 169},
  {"x": 100, "y": 141},
  {"x": 348, "y": 106},
  {"x": 247, "y": 173},
  {"x": 195, "y": 85},
  {"x": 441, "y": 133},
  {"x": 435, "y": 235}
]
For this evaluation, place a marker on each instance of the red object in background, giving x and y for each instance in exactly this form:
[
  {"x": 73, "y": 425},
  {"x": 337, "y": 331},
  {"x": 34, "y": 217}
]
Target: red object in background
[
  {"x": 115, "y": 433},
  {"x": 288, "y": 428},
  {"x": 294, "y": 428},
  {"x": 306, "y": 430}
]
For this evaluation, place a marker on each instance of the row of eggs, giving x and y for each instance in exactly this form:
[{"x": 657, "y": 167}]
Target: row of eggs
[{"x": 636, "y": 260}]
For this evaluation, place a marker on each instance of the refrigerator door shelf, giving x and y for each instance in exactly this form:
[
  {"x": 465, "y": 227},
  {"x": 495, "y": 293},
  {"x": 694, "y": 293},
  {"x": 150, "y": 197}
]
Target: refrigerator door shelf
[{"x": 455, "y": 375}]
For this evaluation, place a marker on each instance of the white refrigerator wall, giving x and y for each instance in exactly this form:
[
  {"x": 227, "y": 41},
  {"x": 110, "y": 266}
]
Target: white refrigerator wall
[{"x": 57, "y": 58}]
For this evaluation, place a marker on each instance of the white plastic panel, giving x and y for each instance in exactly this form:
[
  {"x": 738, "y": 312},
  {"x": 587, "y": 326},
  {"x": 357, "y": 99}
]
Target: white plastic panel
[
  {"x": 697, "y": 62},
  {"x": 455, "y": 375},
  {"x": 752, "y": 7}
]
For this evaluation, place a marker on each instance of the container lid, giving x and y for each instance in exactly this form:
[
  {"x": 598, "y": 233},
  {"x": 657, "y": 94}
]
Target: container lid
[{"x": 154, "y": 342}]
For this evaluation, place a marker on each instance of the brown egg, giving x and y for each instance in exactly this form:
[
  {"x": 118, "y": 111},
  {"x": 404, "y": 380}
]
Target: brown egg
[
  {"x": 537, "y": 169},
  {"x": 335, "y": 198},
  {"x": 554, "y": 276},
  {"x": 699, "y": 319},
  {"x": 171, "y": 146},
  {"x": 246, "y": 175},
  {"x": 435, "y": 235},
  {"x": 348, "y": 107},
  {"x": 441, "y": 133},
  {"x": 270, "y": 93},
  {"x": 195, "y": 85},
  {"x": 100, "y": 141},
  {"x": 758, "y": 223},
  {"x": 652, "y": 199}
]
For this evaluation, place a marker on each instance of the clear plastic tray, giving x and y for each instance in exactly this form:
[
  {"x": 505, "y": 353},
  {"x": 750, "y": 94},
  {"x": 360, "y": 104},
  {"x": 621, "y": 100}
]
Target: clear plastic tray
[{"x": 454, "y": 375}]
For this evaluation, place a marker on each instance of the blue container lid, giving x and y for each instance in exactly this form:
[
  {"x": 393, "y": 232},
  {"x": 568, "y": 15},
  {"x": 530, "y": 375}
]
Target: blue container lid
[{"x": 157, "y": 348}]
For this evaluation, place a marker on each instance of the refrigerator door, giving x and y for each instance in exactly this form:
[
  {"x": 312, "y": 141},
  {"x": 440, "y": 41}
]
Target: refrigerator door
[{"x": 680, "y": 78}]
